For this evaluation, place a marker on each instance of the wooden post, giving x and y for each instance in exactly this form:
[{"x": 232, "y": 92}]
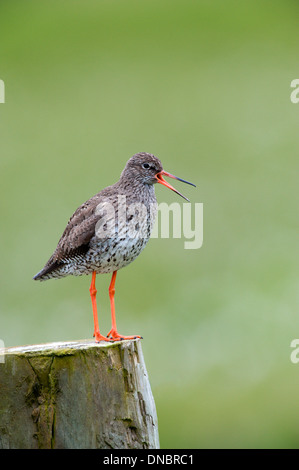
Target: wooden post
[{"x": 76, "y": 395}]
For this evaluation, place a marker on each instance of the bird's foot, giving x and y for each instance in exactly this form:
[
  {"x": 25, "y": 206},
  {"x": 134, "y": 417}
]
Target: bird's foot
[
  {"x": 99, "y": 337},
  {"x": 113, "y": 335}
]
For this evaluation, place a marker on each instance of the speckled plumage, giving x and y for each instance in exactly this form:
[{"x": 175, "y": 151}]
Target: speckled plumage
[{"x": 111, "y": 229}]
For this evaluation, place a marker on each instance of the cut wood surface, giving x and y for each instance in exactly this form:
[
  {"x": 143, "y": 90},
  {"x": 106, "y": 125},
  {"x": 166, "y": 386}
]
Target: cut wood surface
[{"x": 76, "y": 395}]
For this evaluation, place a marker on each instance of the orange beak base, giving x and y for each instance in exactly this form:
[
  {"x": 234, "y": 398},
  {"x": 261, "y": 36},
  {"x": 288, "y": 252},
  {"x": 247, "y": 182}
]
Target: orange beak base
[{"x": 161, "y": 180}]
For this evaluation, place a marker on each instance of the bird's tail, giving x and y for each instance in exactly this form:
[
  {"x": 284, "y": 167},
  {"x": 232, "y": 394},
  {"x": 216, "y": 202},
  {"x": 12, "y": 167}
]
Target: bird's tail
[{"x": 48, "y": 271}]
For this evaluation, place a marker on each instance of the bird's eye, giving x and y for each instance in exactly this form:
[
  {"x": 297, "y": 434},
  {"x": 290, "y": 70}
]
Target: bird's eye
[{"x": 146, "y": 166}]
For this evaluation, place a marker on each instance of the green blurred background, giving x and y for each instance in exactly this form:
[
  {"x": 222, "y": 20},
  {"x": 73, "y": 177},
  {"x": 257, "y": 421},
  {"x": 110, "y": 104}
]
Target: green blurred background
[{"x": 206, "y": 87}]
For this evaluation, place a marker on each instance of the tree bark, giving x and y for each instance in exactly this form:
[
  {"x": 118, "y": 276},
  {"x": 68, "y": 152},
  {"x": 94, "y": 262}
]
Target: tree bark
[{"x": 76, "y": 395}]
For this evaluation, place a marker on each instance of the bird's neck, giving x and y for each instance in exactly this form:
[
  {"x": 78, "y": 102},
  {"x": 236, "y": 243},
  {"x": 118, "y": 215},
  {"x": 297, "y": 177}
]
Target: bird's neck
[{"x": 137, "y": 192}]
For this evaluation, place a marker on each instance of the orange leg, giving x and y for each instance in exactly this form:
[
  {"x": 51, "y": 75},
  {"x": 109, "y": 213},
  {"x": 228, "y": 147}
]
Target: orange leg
[
  {"x": 113, "y": 332},
  {"x": 93, "y": 293}
]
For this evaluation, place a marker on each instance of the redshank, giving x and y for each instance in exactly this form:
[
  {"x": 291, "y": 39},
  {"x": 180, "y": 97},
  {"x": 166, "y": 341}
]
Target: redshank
[{"x": 110, "y": 230}]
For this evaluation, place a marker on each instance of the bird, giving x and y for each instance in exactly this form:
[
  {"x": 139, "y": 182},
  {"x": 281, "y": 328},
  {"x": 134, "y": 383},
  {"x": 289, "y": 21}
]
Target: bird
[{"x": 109, "y": 231}]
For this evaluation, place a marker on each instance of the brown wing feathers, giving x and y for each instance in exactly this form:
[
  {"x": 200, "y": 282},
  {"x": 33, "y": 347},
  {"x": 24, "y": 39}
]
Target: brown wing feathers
[{"x": 75, "y": 238}]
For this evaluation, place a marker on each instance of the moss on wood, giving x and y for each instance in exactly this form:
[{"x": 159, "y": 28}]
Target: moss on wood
[{"x": 76, "y": 395}]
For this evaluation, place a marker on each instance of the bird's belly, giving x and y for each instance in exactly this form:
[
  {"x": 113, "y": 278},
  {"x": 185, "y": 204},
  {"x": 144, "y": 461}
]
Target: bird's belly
[
  {"x": 116, "y": 247},
  {"x": 114, "y": 253}
]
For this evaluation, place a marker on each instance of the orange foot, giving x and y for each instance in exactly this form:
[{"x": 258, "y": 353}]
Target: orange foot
[
  {"x": 113, "y": 335},
  {"x": 100, "y": 337}
]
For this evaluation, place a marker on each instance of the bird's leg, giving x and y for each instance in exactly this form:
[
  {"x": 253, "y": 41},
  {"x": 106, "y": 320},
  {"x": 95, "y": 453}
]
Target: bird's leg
[
  {"x": 113, "y": 332},
  {"x": 93, "y": 293}
]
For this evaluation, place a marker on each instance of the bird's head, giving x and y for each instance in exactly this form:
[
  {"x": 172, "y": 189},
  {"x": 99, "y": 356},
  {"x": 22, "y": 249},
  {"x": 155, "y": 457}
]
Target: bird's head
[{"x": 147, "y": 169}]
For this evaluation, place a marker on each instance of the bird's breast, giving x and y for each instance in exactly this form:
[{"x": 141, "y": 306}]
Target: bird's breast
[{"x": 121, "y": 235}]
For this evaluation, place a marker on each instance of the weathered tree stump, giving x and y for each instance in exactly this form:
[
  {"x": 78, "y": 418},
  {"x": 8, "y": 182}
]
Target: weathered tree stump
[{"x": 76, "y": 395}]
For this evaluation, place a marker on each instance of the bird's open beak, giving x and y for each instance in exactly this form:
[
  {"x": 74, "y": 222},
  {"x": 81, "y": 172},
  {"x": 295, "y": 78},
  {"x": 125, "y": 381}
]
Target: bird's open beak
[{"x": 161, "y": 180}]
